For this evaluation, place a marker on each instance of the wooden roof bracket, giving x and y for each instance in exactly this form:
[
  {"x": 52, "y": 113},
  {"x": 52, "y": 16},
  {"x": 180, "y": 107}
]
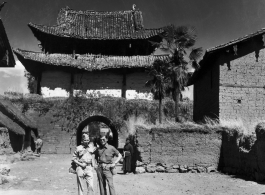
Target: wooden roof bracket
[
  {"x": 257, "y": 55},
  {"x": 263, "y": 39},
  {"x": 235, "y": 49}
]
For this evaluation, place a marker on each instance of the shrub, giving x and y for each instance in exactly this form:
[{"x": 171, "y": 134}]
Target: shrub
[{"x": 71, "y": 111}]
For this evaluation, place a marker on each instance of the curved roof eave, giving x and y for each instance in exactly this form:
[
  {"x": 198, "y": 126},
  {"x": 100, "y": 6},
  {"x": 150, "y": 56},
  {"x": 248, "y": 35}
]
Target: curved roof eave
[
  {"x": 90, "y": 62},
  {"x": 56, "y": 31}
]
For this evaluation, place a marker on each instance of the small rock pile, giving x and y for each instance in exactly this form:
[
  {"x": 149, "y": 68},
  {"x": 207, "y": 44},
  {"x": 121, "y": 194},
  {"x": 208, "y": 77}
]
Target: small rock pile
[
  {"x": 4, "y": 174},
  {"x": 6, "y": 160},
  {"x": 171, "y": 168}
]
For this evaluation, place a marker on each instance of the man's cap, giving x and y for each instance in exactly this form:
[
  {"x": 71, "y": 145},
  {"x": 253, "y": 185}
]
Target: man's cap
[{"x": 85, "y": 137}]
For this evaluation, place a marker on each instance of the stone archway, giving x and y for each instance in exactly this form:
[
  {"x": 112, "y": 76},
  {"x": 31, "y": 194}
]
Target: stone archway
[{"x": 103, "y": 119}]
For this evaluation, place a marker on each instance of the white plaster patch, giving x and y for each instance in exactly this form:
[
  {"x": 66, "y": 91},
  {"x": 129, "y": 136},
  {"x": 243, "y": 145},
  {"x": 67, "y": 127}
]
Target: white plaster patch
[{"x": 57, "y": 92}]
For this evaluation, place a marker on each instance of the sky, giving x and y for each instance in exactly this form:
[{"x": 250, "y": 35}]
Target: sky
[{"x": 216, "y": 22}]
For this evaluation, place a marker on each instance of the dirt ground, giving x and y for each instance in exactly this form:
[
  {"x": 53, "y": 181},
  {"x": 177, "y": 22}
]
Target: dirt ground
[{"x": 49, "y": 175}]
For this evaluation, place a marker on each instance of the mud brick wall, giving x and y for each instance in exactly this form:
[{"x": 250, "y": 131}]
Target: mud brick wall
[
  {"x": 10, "y": 141},
  {"x": 55, "y": 141},
  {"x": 185, "y": 147},
  {"x": 243, "y": 155},
  {"x": 242, "y": 89}
]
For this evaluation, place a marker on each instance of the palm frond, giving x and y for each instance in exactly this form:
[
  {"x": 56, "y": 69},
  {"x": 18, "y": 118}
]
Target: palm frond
[
  {"x": 195, "y": 65},
  {"x": 149, "y": 83},
  {"x": 156, "y": 44},
  {"x": 196, "y": 53}
]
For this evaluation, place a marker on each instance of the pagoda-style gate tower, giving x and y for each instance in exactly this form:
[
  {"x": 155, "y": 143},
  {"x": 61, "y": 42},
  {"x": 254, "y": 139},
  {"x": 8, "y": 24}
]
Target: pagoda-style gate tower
[{"x": 92, "y": 50}]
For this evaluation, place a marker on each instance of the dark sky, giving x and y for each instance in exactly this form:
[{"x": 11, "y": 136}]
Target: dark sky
[{"x": 216, "y": 21}]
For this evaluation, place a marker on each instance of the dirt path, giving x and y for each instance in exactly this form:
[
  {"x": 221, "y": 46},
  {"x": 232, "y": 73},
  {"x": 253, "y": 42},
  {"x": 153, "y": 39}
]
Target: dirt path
[{"x": 48, "y": 175}]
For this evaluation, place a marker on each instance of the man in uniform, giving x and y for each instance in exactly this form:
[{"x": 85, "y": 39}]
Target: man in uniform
[
  {"x": 106, "y": 164},
  {"x": 83, "y": 157}
]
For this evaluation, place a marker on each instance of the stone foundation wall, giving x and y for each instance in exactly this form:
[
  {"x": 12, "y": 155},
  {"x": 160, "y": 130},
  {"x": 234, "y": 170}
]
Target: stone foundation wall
[{"x": 175, "y": 146}]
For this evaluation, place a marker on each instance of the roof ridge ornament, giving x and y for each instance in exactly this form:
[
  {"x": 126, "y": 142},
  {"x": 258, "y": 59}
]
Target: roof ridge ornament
[
  {"x": 235, "y": 49},
  {"x": 2, "y": 5},
  {"x": 133, "y": 7}
]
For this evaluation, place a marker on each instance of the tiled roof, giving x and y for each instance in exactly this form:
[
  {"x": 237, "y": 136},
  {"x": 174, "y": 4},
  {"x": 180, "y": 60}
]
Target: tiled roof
[
  {"x": 98, "y": 25},
  {"x": 244, "y": 38},
  {"x": 210, "y": 53},
  {"x": 6, "y": 54},
  {"x": 13, "y": 119},
  {"x": 90, "y": 62},
  {"x": 10, "y": 124}
]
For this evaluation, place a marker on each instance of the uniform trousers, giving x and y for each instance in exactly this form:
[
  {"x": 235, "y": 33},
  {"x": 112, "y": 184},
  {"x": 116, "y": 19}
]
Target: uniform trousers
[
  {"x": 104, "y": 174},
  {"x": 87, "y": 175}
]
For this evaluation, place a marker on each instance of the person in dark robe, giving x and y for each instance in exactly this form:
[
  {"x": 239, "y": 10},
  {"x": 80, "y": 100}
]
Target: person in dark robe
[
  {"x": 127, "y": 155},
  {"x": 135, "y": 155}
]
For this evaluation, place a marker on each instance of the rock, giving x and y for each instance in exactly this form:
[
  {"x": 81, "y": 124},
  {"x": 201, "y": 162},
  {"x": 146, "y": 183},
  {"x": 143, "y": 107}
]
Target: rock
[
  {"x": 6, "y": 179},
  {"x": 160, "y": 169},
  {"x": 4, "y": 169},
  {"x": 28, "y": 158},
  {"x": 172, "y": 171},
  {"x": 151, "y": 165},
  {"x": 193, "y": 171},
  {"x": 139, "y": 164},
  {"x": 201, "y": 169},
  {"x": 211, "y": 169},
  {"x": 150, "y": 169},
  {"x": 140, "y": 170},
  {"x": 191, "y": 167},
  {"x": 175, "y": 167},
  {"x": 161, "y": 164},
  {"x": 2, "y": 180},
  {"x": 169, "y": 166},
  {"x": 183, "y": 170}
]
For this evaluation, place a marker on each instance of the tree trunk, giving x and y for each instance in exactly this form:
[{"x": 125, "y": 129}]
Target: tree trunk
[
  {"x": 177, "y": 110},
  {"x": 160, "y": 110}
]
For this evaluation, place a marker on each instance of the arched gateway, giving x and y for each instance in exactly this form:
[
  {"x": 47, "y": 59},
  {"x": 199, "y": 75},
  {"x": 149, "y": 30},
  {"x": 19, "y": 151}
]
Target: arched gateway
[{"x": 102, "y": 119}]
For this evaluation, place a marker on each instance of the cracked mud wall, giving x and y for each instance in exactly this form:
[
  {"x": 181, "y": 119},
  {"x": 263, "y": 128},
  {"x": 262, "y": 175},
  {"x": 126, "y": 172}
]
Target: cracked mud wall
[
  {"x": 243, "y": 154},
  {"x": 179, "y": 146}
]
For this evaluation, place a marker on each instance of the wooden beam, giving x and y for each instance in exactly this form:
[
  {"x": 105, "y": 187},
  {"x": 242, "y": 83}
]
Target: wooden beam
[
  {"x": 74, "y": 48},
  {"x": 241, "y": 86},
  {"x": 123, "y": 89},
  {"x": 39, "y": 83},
  {"x": 72, "y": 85}
]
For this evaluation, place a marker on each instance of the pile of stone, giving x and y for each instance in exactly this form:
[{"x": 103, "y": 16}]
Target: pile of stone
[
  {"x": 4, "y": 174},
  {"x": 171, "y": 168},
  {"x": 6, "y": 160}
]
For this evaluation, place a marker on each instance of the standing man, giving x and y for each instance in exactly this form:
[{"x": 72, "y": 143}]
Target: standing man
[
  {"x": 38, "y": 144},
  {"x": 84, "y": 159},
  {"x": 106, "y": 164}
]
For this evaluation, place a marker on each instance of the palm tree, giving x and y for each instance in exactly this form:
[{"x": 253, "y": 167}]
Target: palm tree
[
  {"x": 159, "y": 83},
  {"x": 178, "y": 43}
]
